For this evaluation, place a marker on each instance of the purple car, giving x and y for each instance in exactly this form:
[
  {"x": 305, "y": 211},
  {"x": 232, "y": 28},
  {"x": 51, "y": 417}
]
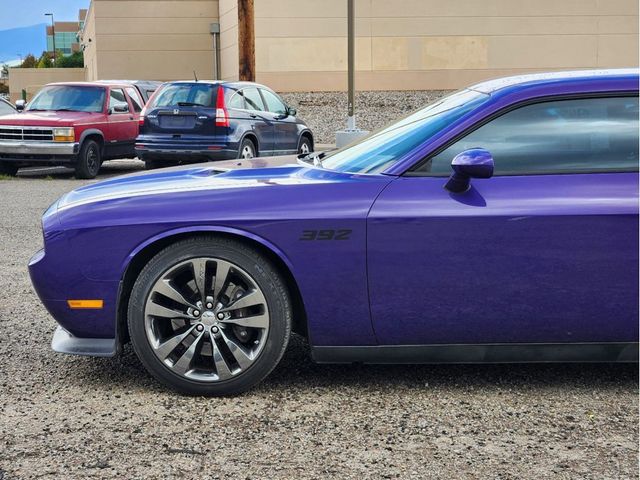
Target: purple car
[{"x": 499, "y": 224}]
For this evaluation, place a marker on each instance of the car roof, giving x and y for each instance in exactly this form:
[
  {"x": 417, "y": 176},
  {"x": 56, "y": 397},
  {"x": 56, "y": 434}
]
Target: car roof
[
  {"x": 566, "y": 77},
  {"x": 220, "y": 82},
  {"x": 92, "y": 84},
  {"x": 154, "y": 83}
]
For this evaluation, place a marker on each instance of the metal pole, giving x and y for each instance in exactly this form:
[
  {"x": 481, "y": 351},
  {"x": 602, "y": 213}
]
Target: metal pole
[
  {"x": 215, "y": 32},
  {"x": 53, "y": 35},
  {"x": 53, "y": 31},
  {"x": 351, "y": 41},
  {"x": 216, "y": 57}
]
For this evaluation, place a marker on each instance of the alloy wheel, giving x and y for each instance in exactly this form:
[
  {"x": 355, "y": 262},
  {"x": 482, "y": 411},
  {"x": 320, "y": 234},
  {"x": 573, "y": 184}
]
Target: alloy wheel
[
  {"x": 304, "y": 148},
  {"x": 247, "y": 152},
  {"x": 206, "y": 319}
]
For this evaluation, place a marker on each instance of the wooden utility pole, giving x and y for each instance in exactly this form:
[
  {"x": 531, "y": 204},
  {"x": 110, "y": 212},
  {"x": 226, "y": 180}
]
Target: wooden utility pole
[{"x": 246, "y": 41}]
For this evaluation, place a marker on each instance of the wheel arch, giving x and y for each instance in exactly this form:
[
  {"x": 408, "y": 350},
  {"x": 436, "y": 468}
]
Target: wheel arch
[
  {"x": 139, "y": 257},
  {"x": 307, "y": 133},
  {"x": 253, "y": 137},
  {"x": 93, "y": 134}
]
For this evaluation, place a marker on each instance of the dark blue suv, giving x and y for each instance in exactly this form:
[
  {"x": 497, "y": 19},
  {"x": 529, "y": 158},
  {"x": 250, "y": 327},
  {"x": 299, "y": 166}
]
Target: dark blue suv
[{"x": 205, "y": 120}]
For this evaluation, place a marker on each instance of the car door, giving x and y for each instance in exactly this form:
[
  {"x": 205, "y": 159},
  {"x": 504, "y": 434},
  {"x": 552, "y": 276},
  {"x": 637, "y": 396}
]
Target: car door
[
  {"x": 262, "y": 121},
  {"x": 545, "y": 251},
  {"x": 123, "y": 125},
  {"x": 286, "y": 139}
]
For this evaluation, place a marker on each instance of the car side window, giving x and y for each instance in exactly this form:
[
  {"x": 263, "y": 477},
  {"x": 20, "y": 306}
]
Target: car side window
[
  {"x": 237, "y": 101},
  {"x": 253, "y": 99},
  {"x": 136, "y": 100},
  {"x": 563, "y": 136},
  {"x": 117, "y": 98},
  {"x": 274, "y": 104}
]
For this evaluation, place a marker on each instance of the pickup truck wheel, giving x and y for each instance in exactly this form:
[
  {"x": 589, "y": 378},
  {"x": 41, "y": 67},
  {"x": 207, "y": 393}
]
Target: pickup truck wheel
[
  {"x": 8, "y": 169},
  {"x": 88, "y": 163}
]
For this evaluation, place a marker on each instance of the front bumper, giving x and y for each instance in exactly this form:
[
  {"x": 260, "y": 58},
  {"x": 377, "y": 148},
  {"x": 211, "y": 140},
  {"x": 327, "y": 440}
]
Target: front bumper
[
  {"x": 21, "y": 151},
  {"x": 55, "y": 281}
]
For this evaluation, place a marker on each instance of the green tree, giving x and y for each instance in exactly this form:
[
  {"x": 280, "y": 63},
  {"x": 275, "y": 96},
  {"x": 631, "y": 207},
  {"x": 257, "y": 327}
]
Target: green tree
[
  {"x": 4, "y": 88},
  {"x": 75, "y": 60},
  {"x": 29, "y": 62},
  {"x": 45, "y": 60},
  {"x": 5, "y": 70}
]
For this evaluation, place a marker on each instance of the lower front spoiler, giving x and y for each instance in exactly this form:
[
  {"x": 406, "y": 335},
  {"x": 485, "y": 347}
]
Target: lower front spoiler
[{"x": 64, "y": 342}]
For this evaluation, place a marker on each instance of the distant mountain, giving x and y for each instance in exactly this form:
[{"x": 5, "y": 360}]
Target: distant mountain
[{"x": 21, "y": 41}]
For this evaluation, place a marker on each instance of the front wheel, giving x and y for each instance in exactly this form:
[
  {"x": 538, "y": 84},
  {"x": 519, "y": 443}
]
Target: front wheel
[
  {"x": 209, "y": 316},
  {"x": 8, "y": 169},
  {"x": 88, "y": 163}
]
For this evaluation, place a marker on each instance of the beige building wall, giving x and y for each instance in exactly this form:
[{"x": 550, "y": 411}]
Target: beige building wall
[
  {"x": 150, "y": 39},
  {"x": 90, "y": 42},
  {"x": 229, "y": 53},
  {"x": 33, "y": 79},
  {"x": 433, "y": 44}
]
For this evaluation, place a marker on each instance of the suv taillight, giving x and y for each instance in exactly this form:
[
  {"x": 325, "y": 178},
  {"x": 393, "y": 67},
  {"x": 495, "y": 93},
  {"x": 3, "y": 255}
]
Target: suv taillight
[
  {"x": 222, "y": 116},
  {"x": 141, "y": 119}
]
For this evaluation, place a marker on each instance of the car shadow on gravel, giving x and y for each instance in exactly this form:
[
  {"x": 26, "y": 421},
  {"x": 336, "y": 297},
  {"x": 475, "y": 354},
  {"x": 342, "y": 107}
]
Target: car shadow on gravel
[
  {"x": 297, "y": 370},
  {"x": 108, "y": 169}
]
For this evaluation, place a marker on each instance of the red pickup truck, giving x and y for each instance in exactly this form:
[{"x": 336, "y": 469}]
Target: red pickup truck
[{"x": 73, "y": 124}]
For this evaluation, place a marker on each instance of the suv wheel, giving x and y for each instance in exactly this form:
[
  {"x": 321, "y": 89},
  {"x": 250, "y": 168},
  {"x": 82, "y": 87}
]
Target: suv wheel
[
  {"x": 209, "y": 316},
  {"x": 247, "y": 149},
  {"x": 8, "y": 169},
  {"x": 305, "y": 146},
  {"x": 88, "y": 162}
]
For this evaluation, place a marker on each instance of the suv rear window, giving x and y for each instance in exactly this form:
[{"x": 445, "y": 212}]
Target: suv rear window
[{"x": 185, "y": 95}]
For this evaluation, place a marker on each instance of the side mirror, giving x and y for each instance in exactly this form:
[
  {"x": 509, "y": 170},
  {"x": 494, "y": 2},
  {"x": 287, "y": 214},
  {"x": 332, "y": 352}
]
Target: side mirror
[
  {"x": 20, "y": 104},
  {"x": 472, "y": 163},
  {"x": 121, "y": 108},
  {"x": 292, "y": 111}
]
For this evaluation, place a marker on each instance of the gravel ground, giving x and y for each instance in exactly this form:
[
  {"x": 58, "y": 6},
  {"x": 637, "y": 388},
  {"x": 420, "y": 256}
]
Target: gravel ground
[
  {"x": 76, "y": 417},
  {"x": 326, "y": 112}
]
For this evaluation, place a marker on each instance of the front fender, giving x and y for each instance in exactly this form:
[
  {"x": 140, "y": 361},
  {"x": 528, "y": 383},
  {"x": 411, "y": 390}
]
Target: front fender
[{"x": 205, "y": 229}]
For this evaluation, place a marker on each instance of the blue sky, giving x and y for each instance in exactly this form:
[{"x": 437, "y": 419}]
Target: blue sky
[
  {"x": 22, "y": 13},
  {"x": 22, "y": 24}
]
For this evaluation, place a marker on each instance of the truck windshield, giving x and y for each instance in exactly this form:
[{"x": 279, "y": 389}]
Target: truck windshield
[
  {"x": 185, "y": 94},
  {"x": 382, "y": 148},
  {"x": 70, "y": 98}
]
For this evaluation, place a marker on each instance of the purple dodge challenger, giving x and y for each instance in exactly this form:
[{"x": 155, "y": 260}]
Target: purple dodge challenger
[{"x": 498, "y": 224}]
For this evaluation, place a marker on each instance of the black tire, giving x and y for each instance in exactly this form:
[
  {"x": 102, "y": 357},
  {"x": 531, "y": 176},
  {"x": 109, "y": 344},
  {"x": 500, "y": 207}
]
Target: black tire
[
  {"x": 8, "y": 169},
  {"x": 151, "y": 164},
  {"x": 262, "y": 272},
  {"x": 247, "y": 144},
  {"x": 89, "y": 160},
  {"x": 305, "y": 142}
]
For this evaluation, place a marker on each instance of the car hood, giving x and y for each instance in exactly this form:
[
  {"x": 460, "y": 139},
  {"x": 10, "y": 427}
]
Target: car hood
[
  {"x": 254, "y": 173},
  {"x": 63, "y": 119}
]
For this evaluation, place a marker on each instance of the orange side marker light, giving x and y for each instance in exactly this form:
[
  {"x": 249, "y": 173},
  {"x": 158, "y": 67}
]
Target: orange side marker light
[{"x": 75, "y": 304}]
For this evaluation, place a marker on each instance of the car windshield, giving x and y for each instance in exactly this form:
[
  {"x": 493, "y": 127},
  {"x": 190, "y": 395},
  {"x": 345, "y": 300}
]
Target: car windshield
[
  {"x": 185, "y": 94},
  {"x": 386, "y": 146},
  {"x": 69, "y": 98},
  {"x": 5, "y": 108}
]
